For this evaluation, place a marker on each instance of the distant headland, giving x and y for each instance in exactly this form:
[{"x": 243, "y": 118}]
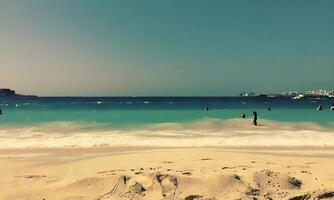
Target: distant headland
[{"x": 6, "y": 92}]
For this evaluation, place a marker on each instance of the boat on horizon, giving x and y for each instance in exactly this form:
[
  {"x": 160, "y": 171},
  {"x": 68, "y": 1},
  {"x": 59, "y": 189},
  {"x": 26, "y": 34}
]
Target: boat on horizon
[{"x": 299, "y": 96}]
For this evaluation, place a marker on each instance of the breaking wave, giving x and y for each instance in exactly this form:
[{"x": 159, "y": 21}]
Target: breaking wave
[{"x": 202, "y": 133}]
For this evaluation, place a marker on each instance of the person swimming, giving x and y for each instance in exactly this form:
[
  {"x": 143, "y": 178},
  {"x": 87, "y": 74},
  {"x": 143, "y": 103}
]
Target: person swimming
[
  {"x": 243, "y": 116},
  {"x": 0, "y": 112},
  {"x": 254, "y": 118},
  {"x": 269, "y": 109},
  {"x": 206, "y": 108},
  {"x": 319, "y": 107},
  {"x": 332, "y": 107}
]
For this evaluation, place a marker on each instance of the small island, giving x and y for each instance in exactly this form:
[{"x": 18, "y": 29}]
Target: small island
[{"x": 6, "y": 92}]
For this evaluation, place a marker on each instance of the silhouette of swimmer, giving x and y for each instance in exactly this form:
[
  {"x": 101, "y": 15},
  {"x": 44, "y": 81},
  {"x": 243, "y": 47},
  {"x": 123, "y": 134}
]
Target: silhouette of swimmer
[
  {"x": 0, "y": 112},
  {"x": 243, "y": 115},
  {"x": 332, "y": 107},
  {"x": 319, "y": 107},
  {"x": 254, "y": 118},
  {"x": 269, "y": 109},
  {"x": 206, "y": 108}
]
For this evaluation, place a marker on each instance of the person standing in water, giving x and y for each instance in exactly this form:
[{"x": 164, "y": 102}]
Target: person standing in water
[
  {"x": 254, "y": 119},
  {"x": 332, "y": 107},
  {"x": 243, "y": 116}
]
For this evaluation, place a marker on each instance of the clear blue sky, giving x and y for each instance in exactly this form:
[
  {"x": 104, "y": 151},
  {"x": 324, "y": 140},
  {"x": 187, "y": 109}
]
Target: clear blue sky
[{"x": 166, "y": 47}]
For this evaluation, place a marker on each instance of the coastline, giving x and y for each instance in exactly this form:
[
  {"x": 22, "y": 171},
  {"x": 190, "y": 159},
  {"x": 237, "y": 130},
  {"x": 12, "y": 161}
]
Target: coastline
[{"x": 208, "y": 159}]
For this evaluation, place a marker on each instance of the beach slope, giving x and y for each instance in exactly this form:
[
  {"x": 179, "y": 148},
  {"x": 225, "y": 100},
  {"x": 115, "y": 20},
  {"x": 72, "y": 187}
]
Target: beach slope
[{"x": 163, "y": 173}]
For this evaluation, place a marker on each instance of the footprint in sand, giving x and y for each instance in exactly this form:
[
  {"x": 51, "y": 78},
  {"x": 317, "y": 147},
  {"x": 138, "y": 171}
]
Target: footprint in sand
[
  {"x": 310, "y": 163},
  {"x": 206, "y": 159},
  {"x": 223, "y": 168},
  {"x": 301, "y": 197},
  {"x": 243, "y": 167},
  {"x": 135, "y": 187},
  {"x": 274, "y": 183},
  {"x": 31, "y": 176},
  {"x": 193, "y": 197},
  {"x": 187, "y": 173},
  {"x": 168, "y": 184},
  {"x": 326, "y": 195},
  {"x": 111, "y": 171}
]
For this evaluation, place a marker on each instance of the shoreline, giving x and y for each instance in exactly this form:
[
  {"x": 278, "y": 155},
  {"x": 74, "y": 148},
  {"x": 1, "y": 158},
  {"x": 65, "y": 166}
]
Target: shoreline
[
  {"x": 234, "y": 133},
  {"x": 129, "y": 148},
  {"x": 105, "y": 151}
]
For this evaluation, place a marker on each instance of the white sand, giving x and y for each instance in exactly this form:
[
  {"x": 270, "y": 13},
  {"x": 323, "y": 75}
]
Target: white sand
[{"x": 163, "y": 173}]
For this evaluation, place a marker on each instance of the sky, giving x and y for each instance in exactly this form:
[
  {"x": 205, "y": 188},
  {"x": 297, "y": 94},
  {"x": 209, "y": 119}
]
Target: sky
[{"x": 165, "y": 47}]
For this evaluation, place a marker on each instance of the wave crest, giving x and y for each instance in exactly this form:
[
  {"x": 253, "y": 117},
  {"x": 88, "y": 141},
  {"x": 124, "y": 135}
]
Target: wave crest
[{"x": 206, "y": 132}]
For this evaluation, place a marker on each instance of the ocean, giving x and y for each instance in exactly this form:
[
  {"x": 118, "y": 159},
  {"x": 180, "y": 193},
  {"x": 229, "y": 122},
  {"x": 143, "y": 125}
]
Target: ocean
[
  {"x": 75, "y": 121},
  {"x": 126, "y": 111}
]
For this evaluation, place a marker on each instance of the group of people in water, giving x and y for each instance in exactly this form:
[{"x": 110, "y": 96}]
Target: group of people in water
[
  {"x": 243, "y": 115},
  {"x": 320, "y": 107}
]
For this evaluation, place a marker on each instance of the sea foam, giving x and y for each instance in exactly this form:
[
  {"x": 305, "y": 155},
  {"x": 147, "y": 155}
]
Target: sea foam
[{"x": 201, "y": 133}]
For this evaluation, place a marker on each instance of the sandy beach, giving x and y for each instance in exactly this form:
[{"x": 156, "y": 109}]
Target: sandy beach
[
  {"x": 164, "y": 173},
  {"x": 166, "y": 100},
  {"x": 203, "y": 160}
]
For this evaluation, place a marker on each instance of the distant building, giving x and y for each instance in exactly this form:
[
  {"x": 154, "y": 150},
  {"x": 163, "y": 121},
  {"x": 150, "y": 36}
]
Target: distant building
[
  {"x": 319, "y": 93},
  {"x": 293, "y": 94},
  {"x": 7, "y": 92}
]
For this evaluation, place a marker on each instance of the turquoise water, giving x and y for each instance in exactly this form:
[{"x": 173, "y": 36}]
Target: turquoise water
[
  {"x": 57, "y": 122},
  {"x": 131, "y": 111}
]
